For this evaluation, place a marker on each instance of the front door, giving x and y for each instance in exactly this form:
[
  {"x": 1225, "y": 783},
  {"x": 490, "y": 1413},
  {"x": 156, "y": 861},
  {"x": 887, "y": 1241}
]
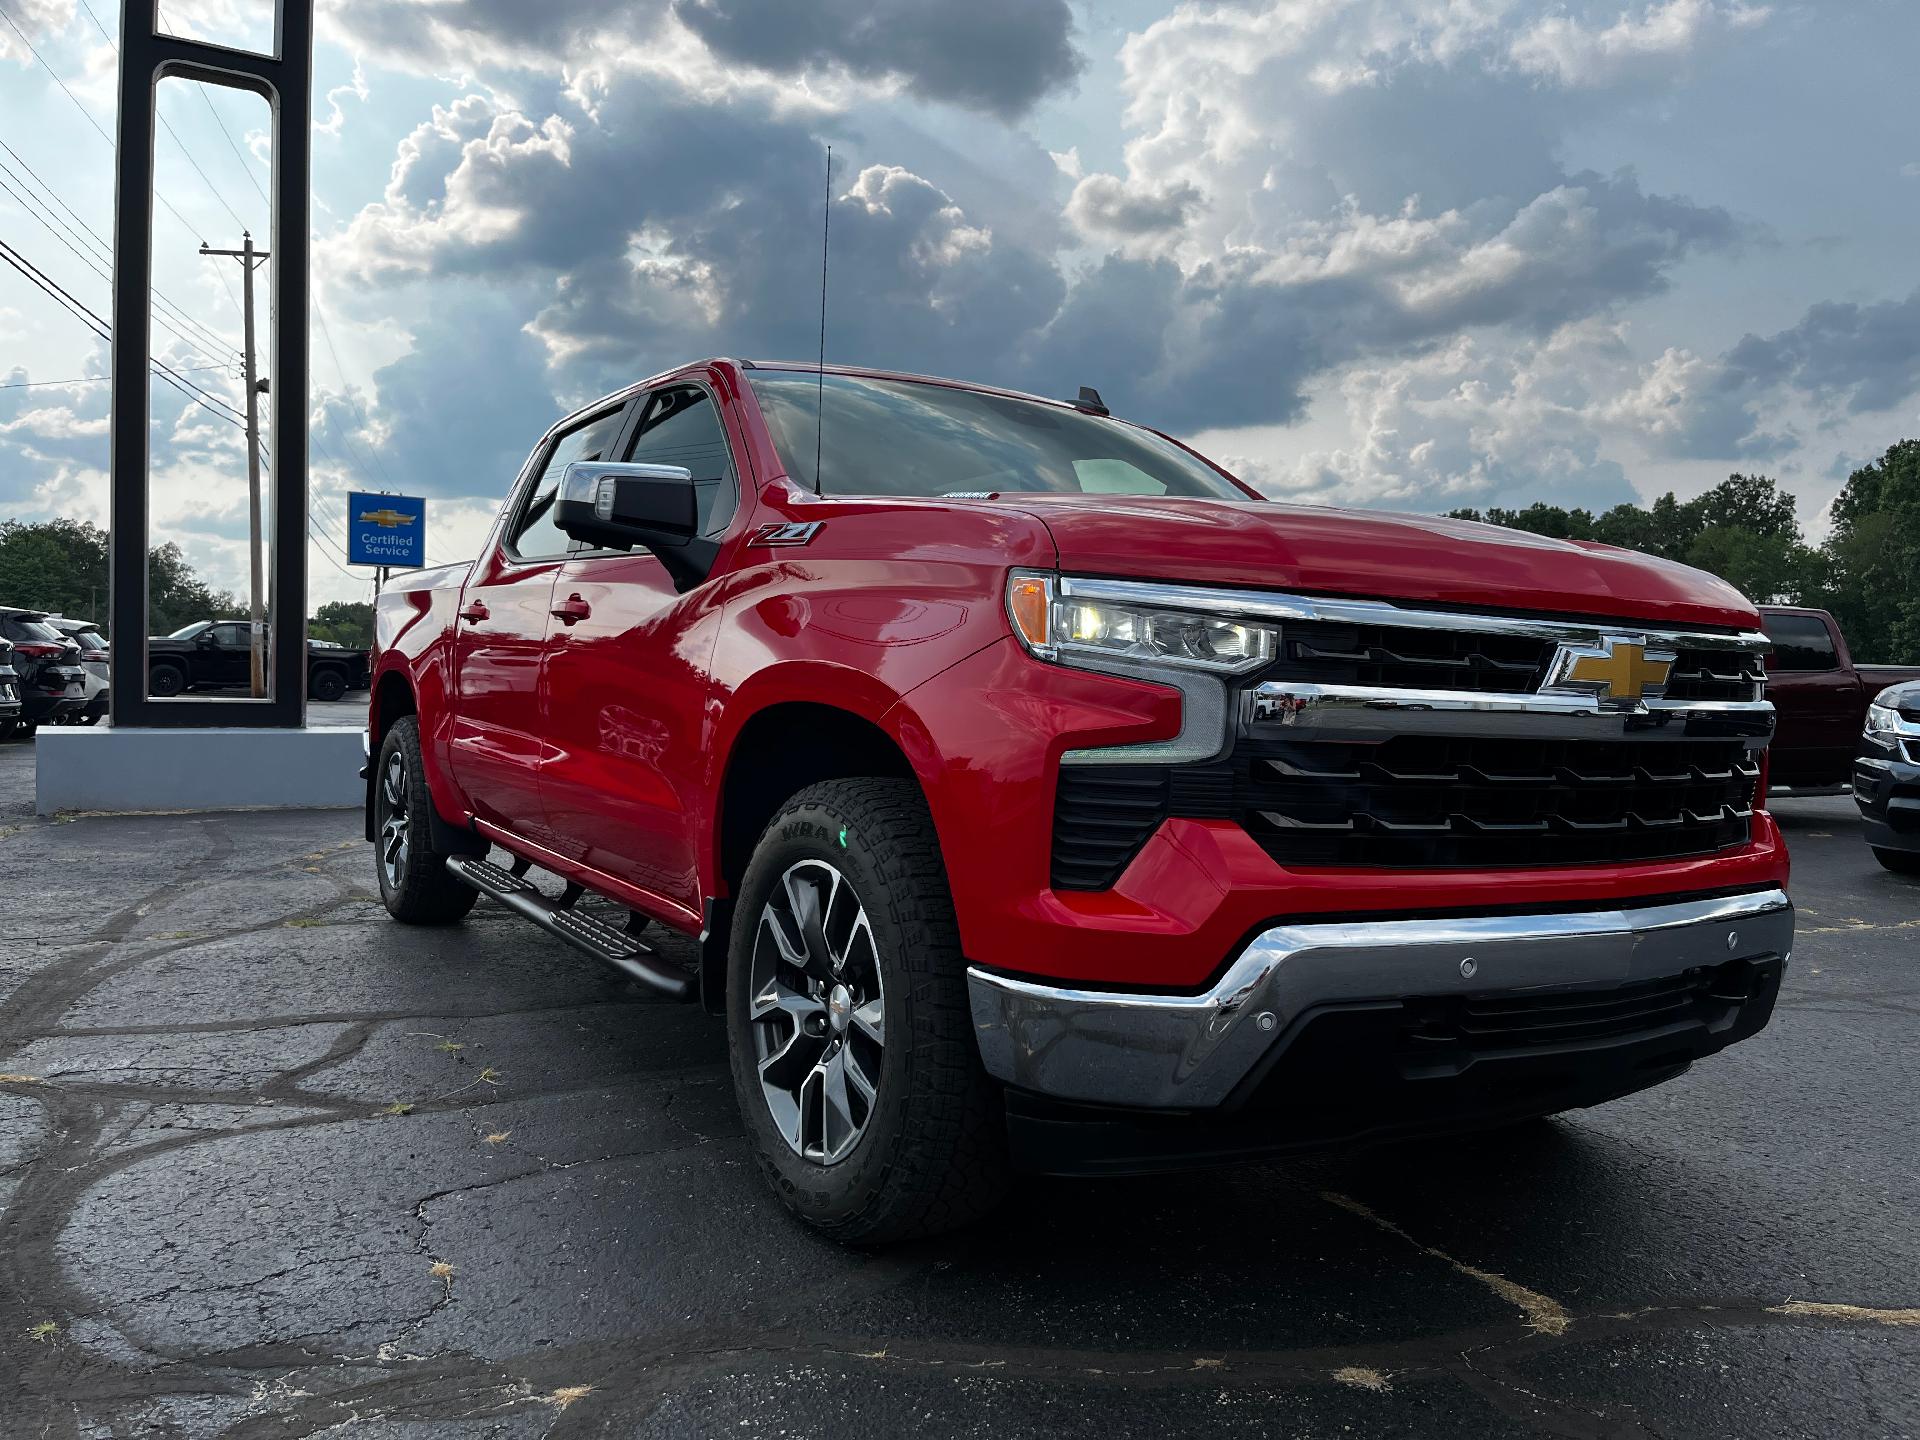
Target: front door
[
  {"x": 626, "y": 678},
  {"x": 498, "y": 745},
  {"x": 228, "y": 658}
]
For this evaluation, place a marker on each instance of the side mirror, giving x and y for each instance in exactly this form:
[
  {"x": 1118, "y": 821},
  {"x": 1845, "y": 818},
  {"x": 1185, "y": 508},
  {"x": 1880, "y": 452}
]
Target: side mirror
[
  {"x": 621, "y": 505},
  {"x": 205, "y": 637}
]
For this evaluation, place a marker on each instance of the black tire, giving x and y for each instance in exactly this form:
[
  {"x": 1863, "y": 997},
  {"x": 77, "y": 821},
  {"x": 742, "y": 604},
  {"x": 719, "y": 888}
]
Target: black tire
[
  {"x": 931, "y": 1155},
  {"x": 327, "y": 685},
  {"x": 414, "y": 883},
  {"x": 1900, "y": 862},
  {"x": 165, "y": 680}
]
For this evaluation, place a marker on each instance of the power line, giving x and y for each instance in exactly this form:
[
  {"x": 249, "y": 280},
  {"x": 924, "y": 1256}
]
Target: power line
[
  {"x": 92, "y": 265},
  {"x": 80, "y": 229},
  {"x": 97, "y": 379},
  {"x": 88, "y": 114},
  {"x": 102, "y": 331}
]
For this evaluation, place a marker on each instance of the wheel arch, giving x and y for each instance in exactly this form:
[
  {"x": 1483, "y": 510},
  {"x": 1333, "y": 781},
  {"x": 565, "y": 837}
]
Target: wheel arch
[{"x": 777, "y": 751}]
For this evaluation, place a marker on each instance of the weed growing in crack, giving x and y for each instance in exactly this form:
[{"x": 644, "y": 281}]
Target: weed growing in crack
[
  {"x": 566, "y": 1395},
  {"x": 397, "y": 1107},
  {"x": 46, "y": 1330}
]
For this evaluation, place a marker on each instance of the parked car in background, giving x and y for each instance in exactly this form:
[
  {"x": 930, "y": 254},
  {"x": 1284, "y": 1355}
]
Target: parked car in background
[
  {"x": 1886, "y": 777},
  {"x": 53, "y": 684},
  {"x": 1820, "y": 696},
  {"x": 94, "y": 660},
  {"x": 1040, "y": 795},
  {"x": 213, "y": 655},
  {"x": 9, "y": 691}
]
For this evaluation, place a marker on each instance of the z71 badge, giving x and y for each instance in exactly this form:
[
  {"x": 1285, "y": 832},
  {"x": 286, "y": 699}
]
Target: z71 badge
[{"x": 792, "y": 532}]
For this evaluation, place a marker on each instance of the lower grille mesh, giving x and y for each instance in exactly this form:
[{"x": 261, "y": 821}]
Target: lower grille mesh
[{"x": 1420, "y": 802}]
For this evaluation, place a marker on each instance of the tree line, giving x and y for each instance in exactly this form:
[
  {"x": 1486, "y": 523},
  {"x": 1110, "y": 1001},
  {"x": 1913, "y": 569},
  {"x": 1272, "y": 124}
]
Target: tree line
[
  {"x": 1744, "y": 530},
  {"x": 61, "y": 566}
]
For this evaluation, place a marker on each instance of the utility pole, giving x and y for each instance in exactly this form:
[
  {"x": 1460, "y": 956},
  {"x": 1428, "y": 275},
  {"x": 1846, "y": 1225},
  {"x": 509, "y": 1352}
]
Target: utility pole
[{"x": 250, "y": 259}]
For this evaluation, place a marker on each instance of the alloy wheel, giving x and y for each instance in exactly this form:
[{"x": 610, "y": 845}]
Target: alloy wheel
[
  {"x": 393, "y": 829},
  {"x": 817, "y": 1011}
]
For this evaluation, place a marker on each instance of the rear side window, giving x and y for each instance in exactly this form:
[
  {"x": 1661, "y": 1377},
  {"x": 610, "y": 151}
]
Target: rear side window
[
  {"x": 534, "y": 535},
  {"x": 14, "y": 628},
  {"x": 681, "y": 427},
  {"x": 1800, "y": 642}
]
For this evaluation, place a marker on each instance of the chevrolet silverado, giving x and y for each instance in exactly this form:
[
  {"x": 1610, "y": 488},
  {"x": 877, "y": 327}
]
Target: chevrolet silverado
[{"x": 1042, "y": 798}]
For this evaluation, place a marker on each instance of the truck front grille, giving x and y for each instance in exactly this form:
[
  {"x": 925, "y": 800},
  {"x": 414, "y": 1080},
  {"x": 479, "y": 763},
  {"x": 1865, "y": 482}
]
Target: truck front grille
[
  {"x": 1389, "y": 657},
  {"x": 1429, "y": 801},
  {"x": 1385, "y": 657},
  {"x": 1716, "y": 675},
  {"x": 1414, "y": 802}
]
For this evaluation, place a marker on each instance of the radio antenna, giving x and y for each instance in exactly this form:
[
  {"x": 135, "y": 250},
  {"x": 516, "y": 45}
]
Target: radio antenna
[{"x": 820, "y": 376}]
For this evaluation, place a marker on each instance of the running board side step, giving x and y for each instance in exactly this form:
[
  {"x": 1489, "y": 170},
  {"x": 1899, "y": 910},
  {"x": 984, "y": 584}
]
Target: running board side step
[{"x": 602, "y": 941}]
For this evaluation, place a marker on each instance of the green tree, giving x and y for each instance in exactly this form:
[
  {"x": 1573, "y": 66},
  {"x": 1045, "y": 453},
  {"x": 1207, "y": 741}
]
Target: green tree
[
  {"x": 57, "y": 565},
  {"x": 61, "y": 565},
  {"x": 1743, "y": 530},
  {"x": 1873, "y": 556},
  {"x": 345, "y": 622}
]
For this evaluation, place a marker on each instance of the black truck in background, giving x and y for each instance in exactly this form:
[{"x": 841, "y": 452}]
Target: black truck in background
[{"x": 213, "y": 655}]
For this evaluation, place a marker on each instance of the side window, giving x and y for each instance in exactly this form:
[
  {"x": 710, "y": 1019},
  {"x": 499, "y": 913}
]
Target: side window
[
  {"x": 1800, "y": 642},
  {"x": 681, "y": 427},
  {"x": 231, "y": 636},
  {"x": 534, "y": 535}
]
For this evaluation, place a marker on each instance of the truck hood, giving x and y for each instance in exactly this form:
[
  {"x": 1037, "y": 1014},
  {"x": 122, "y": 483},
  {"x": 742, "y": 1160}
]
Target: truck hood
[{"x": 1375, "y": 554}]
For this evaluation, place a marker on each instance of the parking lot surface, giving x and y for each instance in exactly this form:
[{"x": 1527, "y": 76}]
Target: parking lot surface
[{"x": 274, "y": 1166}]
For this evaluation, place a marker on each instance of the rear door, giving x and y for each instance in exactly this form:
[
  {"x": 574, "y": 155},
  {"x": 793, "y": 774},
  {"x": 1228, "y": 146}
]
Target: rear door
[
  {"x": 498, "y": 745},
  {"x": 1817, "y": 698},
  {"x": 627, "y": 675}
]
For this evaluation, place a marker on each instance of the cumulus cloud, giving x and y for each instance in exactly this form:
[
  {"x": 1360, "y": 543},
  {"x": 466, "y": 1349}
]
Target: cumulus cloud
[
  {"x": 1477, "y": 422},
  {"x": 39, "y": 19},
  {"x": 1858, "y": 357},
  {"x": 1106, "y": 207},
  {"x": 997, "y": 56},
  {"x": 1565, "y": 49}
]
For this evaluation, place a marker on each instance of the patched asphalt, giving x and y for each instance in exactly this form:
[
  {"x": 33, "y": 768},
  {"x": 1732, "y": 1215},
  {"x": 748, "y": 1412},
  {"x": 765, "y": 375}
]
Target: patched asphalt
[{"x": 283, "y": 1167}]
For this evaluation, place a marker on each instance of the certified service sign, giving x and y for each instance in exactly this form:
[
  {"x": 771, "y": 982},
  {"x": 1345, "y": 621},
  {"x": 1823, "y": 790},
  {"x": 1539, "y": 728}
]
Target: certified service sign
[{"x": 386, "y": 530}]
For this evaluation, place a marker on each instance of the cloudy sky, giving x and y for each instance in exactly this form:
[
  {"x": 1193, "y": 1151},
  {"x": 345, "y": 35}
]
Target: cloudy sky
[{"x": 1412, "y": 253}]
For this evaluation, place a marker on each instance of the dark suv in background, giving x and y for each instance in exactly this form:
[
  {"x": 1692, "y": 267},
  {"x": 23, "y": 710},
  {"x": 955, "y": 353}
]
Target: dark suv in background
[
  {"x": 9, "y": 690},
  {"x": 52, "y": 683},
  {"x": 1886, "y": 778},
  {"x": 94, "y": 659}
]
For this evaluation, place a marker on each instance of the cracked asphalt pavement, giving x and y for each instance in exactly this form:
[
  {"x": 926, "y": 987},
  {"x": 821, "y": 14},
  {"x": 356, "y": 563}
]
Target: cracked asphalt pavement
[{"x": 271, "y": 1165}]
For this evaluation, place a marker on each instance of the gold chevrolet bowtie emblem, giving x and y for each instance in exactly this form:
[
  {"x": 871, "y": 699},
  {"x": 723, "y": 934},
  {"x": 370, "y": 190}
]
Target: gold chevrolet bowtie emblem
[
  {"x": 1624, "y": 670},
  {"x": 386, "y": 519}
]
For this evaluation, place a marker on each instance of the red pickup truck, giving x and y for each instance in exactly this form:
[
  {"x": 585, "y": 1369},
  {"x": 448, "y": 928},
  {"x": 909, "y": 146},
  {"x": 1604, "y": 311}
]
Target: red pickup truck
[
  {"x": 1042, "y": 798},
  {"x": 1821, "y": 697}
]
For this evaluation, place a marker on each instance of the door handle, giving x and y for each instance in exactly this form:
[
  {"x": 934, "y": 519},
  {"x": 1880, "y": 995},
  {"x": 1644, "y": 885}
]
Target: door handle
[
  {"x": 474, "y": 612},
  {"x": 571, "y": 610}
]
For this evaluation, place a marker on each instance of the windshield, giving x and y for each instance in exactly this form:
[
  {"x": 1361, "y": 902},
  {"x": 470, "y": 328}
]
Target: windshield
[
  {"x": 187, "y": 632},
  {"x": 90, "y": 639},
  {"x": 895, "y": 437}
]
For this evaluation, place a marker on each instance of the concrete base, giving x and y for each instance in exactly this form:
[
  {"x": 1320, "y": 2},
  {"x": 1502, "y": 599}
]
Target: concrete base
[{"x": 198, "y": 769}]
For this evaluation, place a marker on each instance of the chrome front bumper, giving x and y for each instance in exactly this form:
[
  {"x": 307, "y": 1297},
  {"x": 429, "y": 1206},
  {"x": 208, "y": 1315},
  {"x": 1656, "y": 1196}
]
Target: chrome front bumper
[{"x": 1191, "y": 1051}]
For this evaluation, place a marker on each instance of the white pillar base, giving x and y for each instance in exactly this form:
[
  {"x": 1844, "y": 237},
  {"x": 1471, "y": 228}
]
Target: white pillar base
[{"x": 197, "y": 769}]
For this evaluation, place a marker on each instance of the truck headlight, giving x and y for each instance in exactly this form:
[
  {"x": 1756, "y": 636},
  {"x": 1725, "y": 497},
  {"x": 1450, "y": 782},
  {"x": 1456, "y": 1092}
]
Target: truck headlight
[
  {"x": 1072, "y": 630},
  {"x": 1882, "y": 720}
]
